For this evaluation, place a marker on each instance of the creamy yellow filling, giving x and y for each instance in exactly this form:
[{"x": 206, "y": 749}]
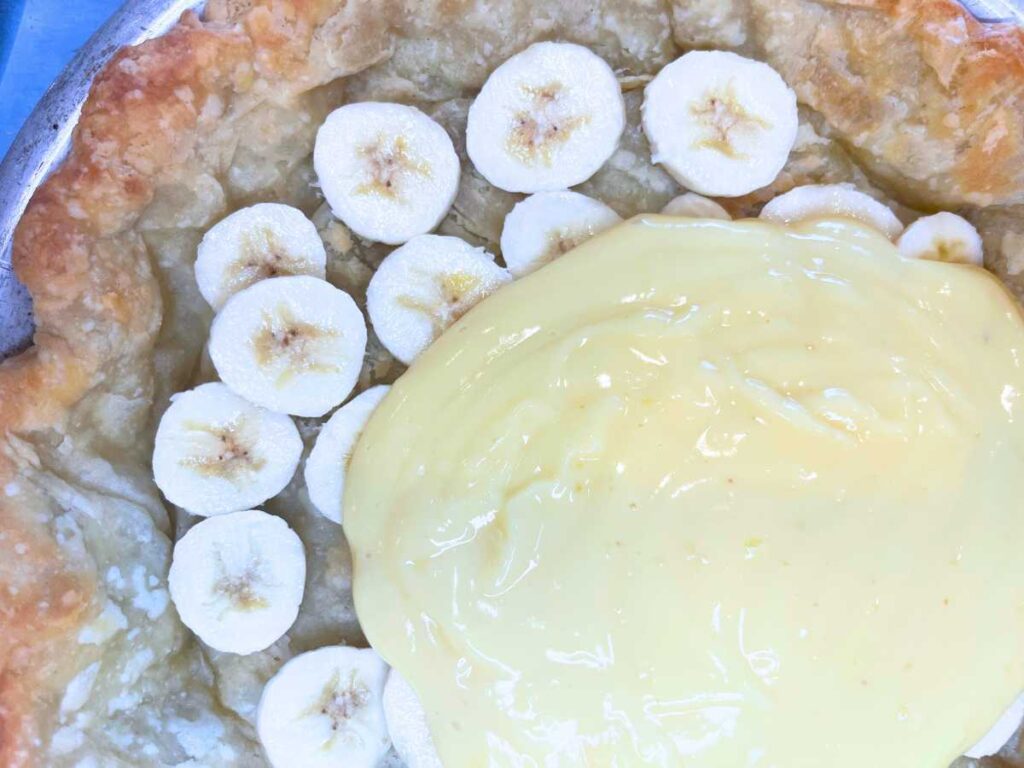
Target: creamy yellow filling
[{"x": 707, "y": 494}]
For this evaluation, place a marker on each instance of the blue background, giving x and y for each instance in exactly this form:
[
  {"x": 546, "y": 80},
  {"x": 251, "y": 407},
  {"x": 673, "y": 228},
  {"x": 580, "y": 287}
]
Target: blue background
[{"x": 49, "y": 34}]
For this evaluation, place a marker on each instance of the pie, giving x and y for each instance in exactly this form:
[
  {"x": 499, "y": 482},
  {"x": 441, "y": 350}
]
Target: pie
[{"x": 916, "y": 103}]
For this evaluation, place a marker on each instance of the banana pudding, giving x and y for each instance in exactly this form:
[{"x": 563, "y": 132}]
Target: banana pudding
[{"x": 639, "y": 508}]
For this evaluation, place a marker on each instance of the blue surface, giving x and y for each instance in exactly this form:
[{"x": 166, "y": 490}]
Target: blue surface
[
  {"x": 49, "y": 34},
  {"x": 10, "y": 15}
]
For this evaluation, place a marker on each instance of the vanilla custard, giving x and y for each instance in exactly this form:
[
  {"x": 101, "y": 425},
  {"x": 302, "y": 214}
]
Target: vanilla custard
[{"x": 706, "y": 494}]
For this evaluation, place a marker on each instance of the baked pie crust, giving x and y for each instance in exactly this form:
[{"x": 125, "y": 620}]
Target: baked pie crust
[{"x": 912, "y": 101}]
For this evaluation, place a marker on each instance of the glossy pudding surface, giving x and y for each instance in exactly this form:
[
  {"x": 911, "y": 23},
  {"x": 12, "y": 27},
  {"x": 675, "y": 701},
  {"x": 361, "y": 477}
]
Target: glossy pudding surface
[{"x": 680, "y": 493}]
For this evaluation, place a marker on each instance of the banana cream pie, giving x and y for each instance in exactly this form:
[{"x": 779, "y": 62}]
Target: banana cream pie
[{"x": 454, "y": 384}]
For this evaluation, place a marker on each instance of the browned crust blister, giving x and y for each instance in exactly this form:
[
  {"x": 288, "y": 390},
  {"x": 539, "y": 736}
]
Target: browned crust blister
[{"x": 922, "y": 102}]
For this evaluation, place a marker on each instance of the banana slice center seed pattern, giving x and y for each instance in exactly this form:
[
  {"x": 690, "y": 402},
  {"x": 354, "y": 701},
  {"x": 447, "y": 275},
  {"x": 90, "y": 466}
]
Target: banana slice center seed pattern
[
  {"x": 291, "y": 345},
  {"x": 229, "y": 457},
  {"x": 242, "y": 591},
  {"x": 386, "y": 164},
  {"x": 722, "y": 114},
  {"x": 265, "y": 256},
  {"x": 538, "y": 130},
  {"x": 340, "y": 703}
]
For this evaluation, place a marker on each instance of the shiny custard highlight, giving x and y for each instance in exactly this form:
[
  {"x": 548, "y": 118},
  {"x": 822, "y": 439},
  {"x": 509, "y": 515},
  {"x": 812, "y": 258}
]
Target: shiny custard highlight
[{"x": 708, "y": 494}]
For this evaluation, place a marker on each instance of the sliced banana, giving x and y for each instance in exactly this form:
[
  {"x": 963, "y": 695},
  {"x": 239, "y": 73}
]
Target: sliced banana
[
  {"x": 823, "y": 201},
  {"x": 546, "y": 119},
  {"x": 237, "y": 580},
  {"x": 720, "y": 123},
  {"x": 993, "y": 741},
  {"x": 323, "y": 709},
  {"x": 217, "y": 453},
  {"x": 261, "y": 241},
  {"x": 407, "y": 724},
  {"x": 328, "y": 461},
  {"x": 695, "y": 206},
  {"x": 387, "y": 170},
  {"x": 942, "y": 237},
  {"x": 548, "y": 224},
  {"x": 291, "y": 344},
  {"x": 423, "y": 287}
]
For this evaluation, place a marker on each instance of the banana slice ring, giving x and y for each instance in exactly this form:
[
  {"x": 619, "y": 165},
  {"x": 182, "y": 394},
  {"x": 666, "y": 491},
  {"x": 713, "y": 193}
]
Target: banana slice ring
[
  {"x": 720, "y": 123},
  {"x": 548, "y": 224},
  {"x": 694, "y": 206},
  {"x": 237, "y": 580},
  {"x": 323, "y": 710},
  {"x": 407, "y": 724},
  {"x": 942, "y": 237},
  {"x": 822, "y": 201},
  {"x": 423, "y": 287},
  {"x": 327, "y": 464},
  {"x": 387, "y": 170},
  {"x": 255, "y": 243},
  {"x": 546, "y": 119},
  {"x": 216, "y": 453},
  {"x": 290, "y": 344}
]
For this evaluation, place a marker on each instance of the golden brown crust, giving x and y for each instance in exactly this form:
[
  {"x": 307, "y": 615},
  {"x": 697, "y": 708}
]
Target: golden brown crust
[
  {"x": 928, "y": 101},
  {"x": 97, "y": 305},
  {"x": 94, "y": 307}
]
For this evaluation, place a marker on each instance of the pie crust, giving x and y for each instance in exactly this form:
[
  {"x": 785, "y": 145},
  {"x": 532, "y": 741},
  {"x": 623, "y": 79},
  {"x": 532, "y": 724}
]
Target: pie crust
[{"x": 911, "y": 100}]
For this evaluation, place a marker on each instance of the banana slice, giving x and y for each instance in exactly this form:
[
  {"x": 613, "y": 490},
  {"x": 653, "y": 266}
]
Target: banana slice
[
  {"x": 721, "y": 124},
  {"x": 548, "y": 224},
  {"x": 823, "y": 201},
  {"x": 942, "y": 237},
  {"x": 291, "y": 344},
  {"x": 546, "y": 119},
  {"x": 237, "y": 580},
  {"x": 264, "y": 240},
  {"x": 323, "y": 709},
  {"x": 423, "y": 287},
  {"x": 328, "y": 461},
  {"x": 217, "y": 453},
  {"x": 388, "y": 171},
  {"x": 991, "y": 742},
  {"x": 695, "y": 206},
  {"x": 407, "y": 724}
]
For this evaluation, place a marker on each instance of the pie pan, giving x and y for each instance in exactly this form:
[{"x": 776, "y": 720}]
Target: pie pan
[{"x": 43, "y": 143}]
